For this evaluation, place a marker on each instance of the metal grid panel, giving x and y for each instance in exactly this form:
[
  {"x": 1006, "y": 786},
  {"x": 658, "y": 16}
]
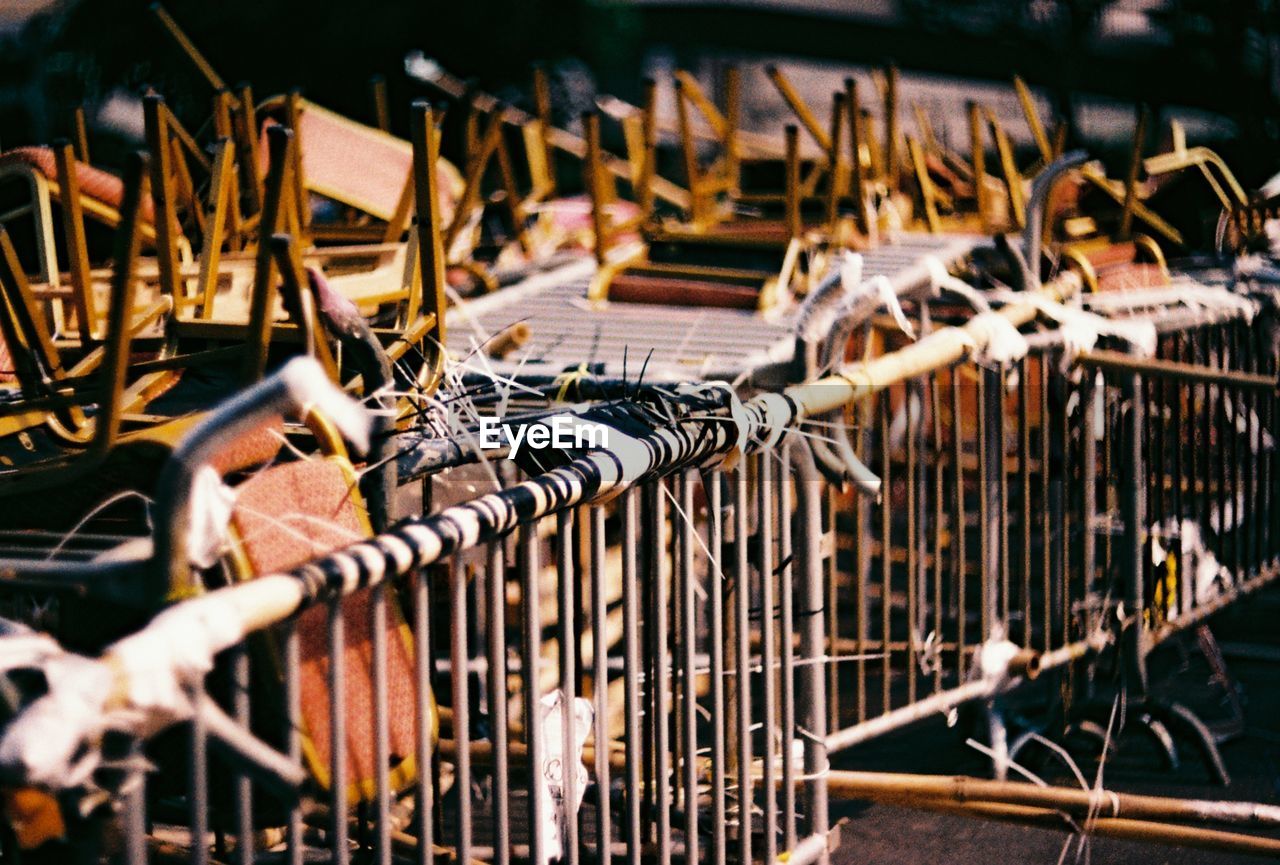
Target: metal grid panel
[{"x": 686, "y": 342}]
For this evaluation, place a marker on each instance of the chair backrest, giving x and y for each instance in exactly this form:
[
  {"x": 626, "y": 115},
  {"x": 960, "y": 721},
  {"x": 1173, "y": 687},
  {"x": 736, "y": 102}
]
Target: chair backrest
[
  {"x": 359, "y": 165},
  {"x": 284, "y": 516}
]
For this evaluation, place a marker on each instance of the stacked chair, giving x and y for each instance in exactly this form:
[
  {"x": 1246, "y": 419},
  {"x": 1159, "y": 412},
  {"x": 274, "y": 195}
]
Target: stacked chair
[{"x": 210, "y": 443}]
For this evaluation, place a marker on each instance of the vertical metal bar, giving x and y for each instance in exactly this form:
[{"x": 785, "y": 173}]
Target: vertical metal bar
[
  {"x": 528, "y": 560},
  {"x": 1271, "y": 526},
  {"x": 742, "y": 662},
  {"x": 567, "y": 603},
  {"x": 989, "y": 520},
  {"x": 715, "y": 649},
  {"x": 1206, "y": 433},
  {"x": 1063, "y": 500},
  {"x": 1133, "y": 503},
  {"x": 382, "y": 725},
  {"x": 243, "y": 786},
  {"x": 960, "y": 553},
  {"x": 1220, "y": 445},
  {"x": 1153, "y": 394},
  {"x": 937, "y": 460},
  {"x": 1238, "y": 521},
  {"x": 910, "y": 395},
  {"x": 1024, "y": 476},
  {"x": 786, "y": 619},
  {"x": 461, "y": 703},
  {"x": 678, "y": 637},
  {"x": 886, "y": 554},
  {"x": 600, "y": 682},
  {"x": 688, "y": 675},
  {"x": 862, "y": 566},
  {"x": 1089, "y": 486},
  {"x": 1182, "y": 442},
  {"x": 810, "y": 694},
  {"x": 768, "y": 653},
  {"x": 135, "y": 814},
  {"x": 337, "y": 732},
  {"x": 1252, "y": 407},
  {"x": 661, "y": 687},
  {"x": 293, "y": 731},
  {"x": 496, "y": 619},
  {"x": 1047, "y": 519},
  {"x": 1263, "y": 481},
  {"x": 1000, "y": 388},
  {"x": 631, "y": 673},
  {"x": 424, "y": 731}
]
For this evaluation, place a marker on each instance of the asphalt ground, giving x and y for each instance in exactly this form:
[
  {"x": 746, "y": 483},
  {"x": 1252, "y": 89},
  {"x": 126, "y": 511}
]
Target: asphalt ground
[{"x": 880, "y": 833}]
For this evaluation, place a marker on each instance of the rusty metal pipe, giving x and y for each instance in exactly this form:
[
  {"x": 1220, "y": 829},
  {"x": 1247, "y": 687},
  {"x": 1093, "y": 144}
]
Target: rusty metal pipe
[{"x": 1118, "y": 361}]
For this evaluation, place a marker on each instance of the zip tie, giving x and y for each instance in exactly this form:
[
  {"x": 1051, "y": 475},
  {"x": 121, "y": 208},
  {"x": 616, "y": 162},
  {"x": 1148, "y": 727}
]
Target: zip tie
[{"x": 568, "y": 379}]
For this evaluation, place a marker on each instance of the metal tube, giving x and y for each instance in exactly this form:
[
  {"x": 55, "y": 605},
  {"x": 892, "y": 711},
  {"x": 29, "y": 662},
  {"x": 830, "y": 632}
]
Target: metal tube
[
  {"x": 293, "y": 732},
  {"x": 886, "y": 557},
  {"x": 337, "y": 733},
  {"x": 243, "y": 786},
  {"x": 768, "y": 650},
  {"x": 381, "y": 721},
  {"x": 716, "y": 639},
  {"x": 688, "y": 673},
  {"x": 496, "y": 620},
  {"x": 742, "y": 663},
  {"x": 135, "y": 813},
  {"x": 811, "y": 695},
  {"x": 461, "y": 702},
  {"x": 631, "y": 674},
  {"x": 567, "y": 603},
  {"x": 786, "y": 620},
  {"x": 600, "y": 682},
  {"x": 958, "y": 523},
  {"x": 528, "y": 560},
  {"x": 661, "y": 684},
  {"x": 943, "y": 701},
  {"x": 1116, "y": 361}
]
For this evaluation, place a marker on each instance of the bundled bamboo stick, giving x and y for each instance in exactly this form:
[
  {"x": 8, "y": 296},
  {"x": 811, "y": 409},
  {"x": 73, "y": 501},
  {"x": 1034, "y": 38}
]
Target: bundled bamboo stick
[{"x": 1103, "y": 803}]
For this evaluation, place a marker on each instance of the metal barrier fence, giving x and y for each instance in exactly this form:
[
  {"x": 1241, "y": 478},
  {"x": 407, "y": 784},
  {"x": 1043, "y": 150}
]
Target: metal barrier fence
[{"x": 695, "y": 646}]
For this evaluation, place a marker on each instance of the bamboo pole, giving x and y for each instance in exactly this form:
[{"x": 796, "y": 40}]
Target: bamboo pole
[
  {"x": 1105, "y": 804},
  {"x": 1109, "y": 827}
]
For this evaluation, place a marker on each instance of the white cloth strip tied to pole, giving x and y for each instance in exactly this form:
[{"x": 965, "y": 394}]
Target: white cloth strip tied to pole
[
  {"x": 1081, "y": 329},
  {"x": 1182, "y": 292},
  {"x": 818, "y": 312},
  {"x": 556, "y": 810},
  {"x": 889, "y": 297},
  {"x": 942, "y": 280},
  {"x": 994, "y": 340}
]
